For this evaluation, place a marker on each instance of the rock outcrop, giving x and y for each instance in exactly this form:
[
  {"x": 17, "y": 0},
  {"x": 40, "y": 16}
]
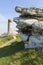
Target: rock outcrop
[
  {"x": 29, "y": 11},
  {"x": 30, "y": 23}
]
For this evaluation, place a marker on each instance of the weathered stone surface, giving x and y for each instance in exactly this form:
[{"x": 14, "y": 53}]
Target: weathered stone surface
[
  {"x": 23, "y": 22},
  {"x": 29, "y": 11},
  {"x": 28, "y": 21},
  {"x": 38, "y": 24},
  {"x": 30, "y": 25}
]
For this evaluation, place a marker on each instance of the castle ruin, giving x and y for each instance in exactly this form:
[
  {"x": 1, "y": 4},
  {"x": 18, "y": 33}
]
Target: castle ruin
[{"x": 9, "y": 26}]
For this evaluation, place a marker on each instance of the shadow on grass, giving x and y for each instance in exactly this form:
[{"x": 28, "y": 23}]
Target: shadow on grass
[
  {"x": 9, "y": 50},
  {"x": 27, "y": 57}
]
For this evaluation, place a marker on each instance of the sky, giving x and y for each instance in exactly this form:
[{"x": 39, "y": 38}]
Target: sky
[{"x": 7, "y": 10}]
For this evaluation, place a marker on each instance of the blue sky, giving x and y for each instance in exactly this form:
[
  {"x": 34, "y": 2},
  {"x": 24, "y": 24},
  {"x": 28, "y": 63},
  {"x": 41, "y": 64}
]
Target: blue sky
[{"x": 7, "y": 10}]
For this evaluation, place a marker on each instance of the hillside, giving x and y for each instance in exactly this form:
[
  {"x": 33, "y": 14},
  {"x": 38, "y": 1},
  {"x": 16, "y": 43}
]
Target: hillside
[
  {"x": 18, "y": 55},
  {"x": 5, "y": 38}
]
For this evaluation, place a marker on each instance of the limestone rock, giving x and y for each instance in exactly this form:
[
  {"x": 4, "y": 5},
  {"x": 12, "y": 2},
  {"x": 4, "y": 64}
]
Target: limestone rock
[
  {"x": 24, "y": 21},
  {"x": 29, "y": 11},
  {"x": 30, "y": 25}
]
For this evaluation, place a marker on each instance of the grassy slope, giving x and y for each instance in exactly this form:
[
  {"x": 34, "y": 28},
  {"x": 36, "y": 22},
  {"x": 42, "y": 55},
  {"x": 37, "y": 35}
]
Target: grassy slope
[
  {"x": 5, "y": 39},
  {"x": 17, "y": 55}
]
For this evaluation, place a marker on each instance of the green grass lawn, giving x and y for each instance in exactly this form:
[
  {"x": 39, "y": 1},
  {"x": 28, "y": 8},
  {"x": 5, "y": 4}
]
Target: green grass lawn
[
  {"x": 5, "y": 39},
  {"x": 18, "y": 55}
]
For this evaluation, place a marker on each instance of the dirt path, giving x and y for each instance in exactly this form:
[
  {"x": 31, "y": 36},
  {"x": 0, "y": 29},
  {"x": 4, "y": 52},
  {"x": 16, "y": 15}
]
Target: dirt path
[{"x": 7, "y": 43}]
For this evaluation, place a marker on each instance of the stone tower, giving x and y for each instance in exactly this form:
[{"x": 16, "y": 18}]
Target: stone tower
[{"x": 9, "y": 26}]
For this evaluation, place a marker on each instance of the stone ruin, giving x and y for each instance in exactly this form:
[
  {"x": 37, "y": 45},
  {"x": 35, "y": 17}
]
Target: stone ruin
[
  {"x": 30, "y": 25},
  {"x": 12, "y": 32},
  {"x": 9, "y": 26}
]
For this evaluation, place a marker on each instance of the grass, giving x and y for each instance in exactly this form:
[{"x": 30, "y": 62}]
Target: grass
[
  {"x": 5, "y": 39},
  {"x": 17, "y": 55}
]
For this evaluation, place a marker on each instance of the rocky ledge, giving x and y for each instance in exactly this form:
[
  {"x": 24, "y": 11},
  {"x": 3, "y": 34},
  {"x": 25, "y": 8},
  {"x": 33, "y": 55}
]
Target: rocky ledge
[{"x": 32, "y": 11}]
